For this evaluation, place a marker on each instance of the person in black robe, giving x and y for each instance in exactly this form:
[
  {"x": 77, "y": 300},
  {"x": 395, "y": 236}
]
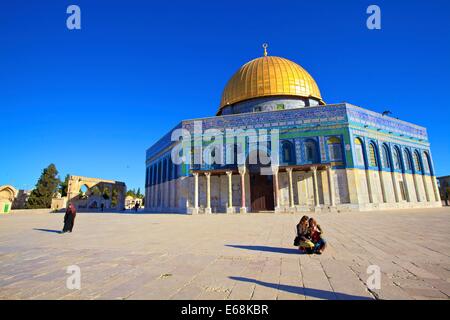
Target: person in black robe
[{"x": 69, "y": 218}]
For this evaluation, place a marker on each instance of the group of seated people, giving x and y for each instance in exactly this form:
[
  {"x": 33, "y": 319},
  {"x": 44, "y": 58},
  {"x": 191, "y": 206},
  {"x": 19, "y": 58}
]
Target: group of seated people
[{"x": 309, "y": 236}]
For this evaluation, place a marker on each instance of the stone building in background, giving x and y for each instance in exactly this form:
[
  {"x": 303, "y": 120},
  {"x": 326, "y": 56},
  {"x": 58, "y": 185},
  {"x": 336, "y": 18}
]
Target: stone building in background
[
  {"x": 130, "y": 202},
  {"x": 92, "y": 194},
  {"x": 444, "y": 188},
  {"x": 7, "y": 195}
]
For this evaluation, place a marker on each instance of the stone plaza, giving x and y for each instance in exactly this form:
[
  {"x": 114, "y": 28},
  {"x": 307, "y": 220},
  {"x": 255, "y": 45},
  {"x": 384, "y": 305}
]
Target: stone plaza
[{"x": 220, "y": 256}]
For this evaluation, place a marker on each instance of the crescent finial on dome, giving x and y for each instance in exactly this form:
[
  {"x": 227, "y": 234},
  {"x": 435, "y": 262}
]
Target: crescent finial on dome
[{"x": 265, "y": 46}]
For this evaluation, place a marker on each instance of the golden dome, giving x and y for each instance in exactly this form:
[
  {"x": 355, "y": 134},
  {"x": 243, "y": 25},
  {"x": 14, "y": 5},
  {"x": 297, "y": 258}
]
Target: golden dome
[{"x": 269, "y": 76}]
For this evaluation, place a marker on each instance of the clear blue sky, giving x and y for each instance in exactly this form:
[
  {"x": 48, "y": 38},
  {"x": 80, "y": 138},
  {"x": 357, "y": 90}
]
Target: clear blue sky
[{"x": 93, "y": 100}]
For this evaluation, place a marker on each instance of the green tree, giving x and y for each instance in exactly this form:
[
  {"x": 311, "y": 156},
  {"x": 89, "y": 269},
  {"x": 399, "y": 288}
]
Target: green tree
[
  {"x": 46, "y": 187},
  {"x": 106, "y": 194},
  {"x": 131, "y": 193},
  {"x": 115, "y": 198},
  {"x": 135, "y": 194},
  {"x": 63, "y": 186}
]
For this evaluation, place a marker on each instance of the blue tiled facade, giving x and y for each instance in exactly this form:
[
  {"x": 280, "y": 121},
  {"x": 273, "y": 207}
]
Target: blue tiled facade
[{"x": 315, "y": 126}]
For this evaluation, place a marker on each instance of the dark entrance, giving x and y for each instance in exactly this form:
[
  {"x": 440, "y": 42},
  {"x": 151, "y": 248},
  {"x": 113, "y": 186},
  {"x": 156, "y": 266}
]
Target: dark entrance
[{"x": 261, "y": 192}]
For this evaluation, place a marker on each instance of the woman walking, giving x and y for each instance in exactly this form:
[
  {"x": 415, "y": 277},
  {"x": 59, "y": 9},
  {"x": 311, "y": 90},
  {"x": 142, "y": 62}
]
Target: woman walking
[{"x": 69, "y": 218}]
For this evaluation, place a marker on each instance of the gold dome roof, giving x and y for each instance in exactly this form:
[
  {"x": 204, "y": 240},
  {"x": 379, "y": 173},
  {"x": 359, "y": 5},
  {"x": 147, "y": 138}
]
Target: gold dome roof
[{"x": 269, "y": 76}]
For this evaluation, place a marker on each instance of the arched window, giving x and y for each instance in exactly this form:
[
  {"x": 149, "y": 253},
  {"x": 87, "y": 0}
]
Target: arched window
[
  {"x": 397, "y": 159},
  {"x": 426, "y": 162},
  {"x": 408, "y": 161},
  {"x": 386, "y": 160},
  {"x": 335, "y": 149},
  {"x": 359, "y": 152},
  {"x": 311, "y": 151},
  {"x": 287, "y": 152},
  {"x": 372, "y": 155},
  {"x": 417, "y": 165}
]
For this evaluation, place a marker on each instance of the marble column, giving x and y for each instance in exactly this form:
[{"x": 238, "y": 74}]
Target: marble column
[
  {"x": 243, "y": 208},
  {"x": 195, "y": 209},
  {"x": 230, "y": 208},
  {"x": 331, "y": 186},
  {"x": 316, "y": 187},
  {"x": 276, "y": 189},
  {"x": 208, "y": 192},
  {"x": 291, "y": 188}
]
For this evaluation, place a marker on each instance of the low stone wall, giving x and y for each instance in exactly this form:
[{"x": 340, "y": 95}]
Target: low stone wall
[{"x": 33, "y": 211}]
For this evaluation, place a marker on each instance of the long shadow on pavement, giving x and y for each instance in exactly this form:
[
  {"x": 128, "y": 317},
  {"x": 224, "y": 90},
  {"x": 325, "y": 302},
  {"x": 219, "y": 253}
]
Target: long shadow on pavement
[
  {"x": 316, "y": 293},
  {"x": 266, "y": 249},
  {"x": 48, "y": 230}
]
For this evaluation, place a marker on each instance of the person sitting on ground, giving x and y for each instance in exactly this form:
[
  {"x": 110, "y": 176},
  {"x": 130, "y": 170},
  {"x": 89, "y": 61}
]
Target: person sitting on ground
[
  {"x": 315, "y": 232},
  {"x": 303, "y": 237}
]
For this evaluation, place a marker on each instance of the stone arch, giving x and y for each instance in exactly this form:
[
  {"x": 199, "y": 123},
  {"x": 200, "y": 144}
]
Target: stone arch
[{"x": 99, "y": 190}]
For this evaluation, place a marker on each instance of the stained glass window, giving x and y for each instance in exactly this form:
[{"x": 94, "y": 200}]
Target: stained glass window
[
  {"x": 386, "y": 160},
  {"x": 310, "y": 151},
  {"x": 288, "y": 152},
  {"x": 417, "y": 166},
  {"x": 396, "y": 157},
  {"x": 335, "y": 149},
  {"x": 359, "y": 152},
  {"x": 407, "y": 156},
  {"x": 372, "y": 156}
]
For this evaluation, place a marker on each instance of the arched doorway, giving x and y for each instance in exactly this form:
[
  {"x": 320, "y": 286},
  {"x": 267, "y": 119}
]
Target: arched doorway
[
  {"x": 261, "y": 186},
  {"x": 261, "y": 193}
]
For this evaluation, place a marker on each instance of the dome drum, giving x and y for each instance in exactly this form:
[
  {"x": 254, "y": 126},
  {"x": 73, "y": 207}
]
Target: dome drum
[{"x": 272, "y": 103}]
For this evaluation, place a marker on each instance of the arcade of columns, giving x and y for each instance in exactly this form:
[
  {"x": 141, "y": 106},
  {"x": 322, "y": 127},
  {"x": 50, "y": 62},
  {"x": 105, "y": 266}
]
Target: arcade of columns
[{"x": 242, "y": 171}]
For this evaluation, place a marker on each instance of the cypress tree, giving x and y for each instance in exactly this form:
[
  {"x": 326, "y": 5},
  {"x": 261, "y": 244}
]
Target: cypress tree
[{"x": 46, "y": 187}]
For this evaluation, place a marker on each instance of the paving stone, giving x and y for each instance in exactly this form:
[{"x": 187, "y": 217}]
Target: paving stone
[{"x": 248, "y": 256}]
